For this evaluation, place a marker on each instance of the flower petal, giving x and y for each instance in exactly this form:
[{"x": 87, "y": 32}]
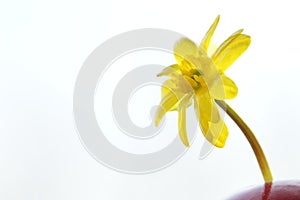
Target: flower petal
[
  {"x": 184, "y": 103},
  {"x": 218, "y": 133},
  {"x": 216, "y": 88},
  {"x": 231, "y": 89},
  {"x": 227, "y": 41},
  {"x": 171, "y": 71},
  {"x": 214, "y": 85},
  {"x": 206, "y": 40},
  {"x": 230, "y": 50},
  {"x": 169, "y": 86},
  {"x": 205, "y": 106},
  {"x": 168, "y": 102},
  {"x": 183, "y": 50},
  {"x": 212, "y": 126},
  {"x": 222, "y": 87}
]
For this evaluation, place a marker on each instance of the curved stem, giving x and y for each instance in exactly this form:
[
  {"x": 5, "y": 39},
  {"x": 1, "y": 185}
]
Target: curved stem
[{"x": 260, "y": 156}]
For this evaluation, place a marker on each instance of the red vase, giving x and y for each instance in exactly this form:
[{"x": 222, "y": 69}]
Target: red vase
[{"x": 282, "y": 190}]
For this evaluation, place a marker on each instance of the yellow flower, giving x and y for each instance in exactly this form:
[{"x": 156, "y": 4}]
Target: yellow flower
[{"x": 200, "y": 77}]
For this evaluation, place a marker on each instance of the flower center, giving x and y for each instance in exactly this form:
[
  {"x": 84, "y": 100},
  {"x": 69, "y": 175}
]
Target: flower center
[{"x": 194, "y": 78}]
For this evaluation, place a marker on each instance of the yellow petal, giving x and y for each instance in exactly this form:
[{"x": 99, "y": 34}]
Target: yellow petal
[
  {"x": 171, "y": 71},
  {"x": 182, "y": 119},
  {"x": 184, "y": 50},
  {"x": 227, "y": 41},
  {"x": 169, "y": 86},
  {"x": 218, "y": 133},
  {"x": 178, "y": 83},
  {"x": 206, "y": 40},
  {"x": 212, "y": 126},
  {"x": 212, "y": 48},
  {"x": 167, "y": 103},
  {"x": 205, "y": 105},
  {"x": 216, "y": 88},
  {"x": 184, "y": 85},
  {"x": 214, "y": 85},
  {"x": 233, "y": 36},
  {"x": 230, "y": 50},
  {"x": 205, "y": 65},
  {"x": 231, "y": 89}
]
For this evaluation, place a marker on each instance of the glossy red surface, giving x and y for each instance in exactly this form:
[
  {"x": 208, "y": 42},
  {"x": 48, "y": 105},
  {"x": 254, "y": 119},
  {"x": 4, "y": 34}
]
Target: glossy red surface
[{"x": 283, "y": 190}]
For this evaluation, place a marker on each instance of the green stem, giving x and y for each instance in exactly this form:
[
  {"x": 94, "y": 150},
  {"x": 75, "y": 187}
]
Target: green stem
[{"x": 260, "y": 156}]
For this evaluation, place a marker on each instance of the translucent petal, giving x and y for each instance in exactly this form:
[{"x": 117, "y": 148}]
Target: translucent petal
[
  {"x": 182, "y": 119},
  {"x": 212, "y": 126},
  {"x": 183, "y": 85},
  {"x": 221, "y": 87},
  {"x": 167, "y": 87},
  {"x": 230, "y": 50},
  {"x": 227, "y": 41},
  {"x": 214, "y": 85},
  {"x": 231, "y": 89},
  {"x": 167, "y": 103},
  {"x": 171, "y": 71},
  {"x": 184, "y": 50},
  {"x": 218, "y": 133},
  {"x": 207, "y": 38},
  {"x": 206, "y": 107},
  {"x": 205, "y": 65},
  {"x": 212, "y": 48},
  {"x": 170, "y": 86},
  {"x": 178, "y": 82}
]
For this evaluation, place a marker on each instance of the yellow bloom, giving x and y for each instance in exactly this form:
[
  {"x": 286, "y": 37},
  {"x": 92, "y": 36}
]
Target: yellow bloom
[{"x": 200, "y": 77}]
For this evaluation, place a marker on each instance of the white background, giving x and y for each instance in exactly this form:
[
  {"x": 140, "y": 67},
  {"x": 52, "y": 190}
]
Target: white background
[{"x": 42, "y": 47}]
